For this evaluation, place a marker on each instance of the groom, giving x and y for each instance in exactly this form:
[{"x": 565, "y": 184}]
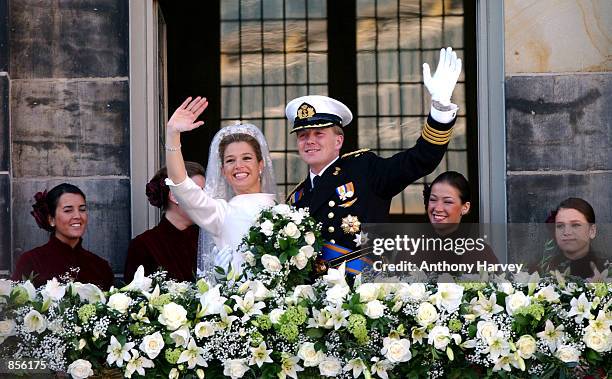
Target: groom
[{"x": 345, "y": 192}]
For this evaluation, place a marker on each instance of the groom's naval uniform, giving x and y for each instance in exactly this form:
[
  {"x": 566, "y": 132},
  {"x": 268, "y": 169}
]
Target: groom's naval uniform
[{"x": 358, "y": 187}]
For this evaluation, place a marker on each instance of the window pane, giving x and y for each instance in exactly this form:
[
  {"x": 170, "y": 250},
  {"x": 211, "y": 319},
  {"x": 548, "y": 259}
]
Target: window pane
[
  {"x": 274, "y": 102},
  {"x": 273, "y": 34},
  {"x": 387, "y": 34},
  {"x": 229, "y": 10},
  {"x": 251, "y": 69},
  {"x": 411, "y": 68},
  {"x": 411, "y": 95},
  {"x": 366, "y": 99},
  {"x": 250, "y": 9},
  {"x": 388, "y": 99},
  {"x": 230, "y": 37},
  {"x": 230, "y": 103},
  {"x": 317, "y": 35},
  {"x": 295, "y": 8},
  {"x": 317, "y": 8},
  {"x": 231, "y": 68},
  {"x": 295, "y": 39},
  {"x": 366, "y": 34},
  {"x": 317, "y": 66},
  {"x": 251, "y": 36},
  {"x": 272, "y": 9},
  {"x": 366, "y": 67},
  {"x": 388, "y": 69},
  {"x": 389, "y": 133},
  {"x": 296, "y": 68},
  {"x": 274, "y": 68},
  {"x": 251, "y": 102}
]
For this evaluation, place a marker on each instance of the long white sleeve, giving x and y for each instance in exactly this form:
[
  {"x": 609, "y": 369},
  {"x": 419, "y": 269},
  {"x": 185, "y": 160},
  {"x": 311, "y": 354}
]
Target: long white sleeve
[{"x": 206, "y": 212}]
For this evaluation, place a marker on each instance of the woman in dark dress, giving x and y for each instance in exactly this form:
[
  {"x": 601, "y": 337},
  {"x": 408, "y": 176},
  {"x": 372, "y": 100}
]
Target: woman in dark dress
[
  {"x": 447, "y": 200},
  {"x": 172, "y": 245},
  {"x": 63, "y": 212},
  {"x": 574, "y": 230}
]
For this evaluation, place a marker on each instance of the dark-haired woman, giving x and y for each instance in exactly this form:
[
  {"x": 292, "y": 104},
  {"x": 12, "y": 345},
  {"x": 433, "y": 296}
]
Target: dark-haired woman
[
  {"x": 63, "y": 212},
  {"x": 574, "y": 230},
  {"x": 447, "y": 200},
  {"x": 173, "y": 244}
]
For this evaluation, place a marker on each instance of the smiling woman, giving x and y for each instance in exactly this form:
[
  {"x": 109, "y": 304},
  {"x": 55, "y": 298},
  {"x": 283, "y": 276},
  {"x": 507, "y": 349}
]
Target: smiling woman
[{"x": 63, "y": 212}]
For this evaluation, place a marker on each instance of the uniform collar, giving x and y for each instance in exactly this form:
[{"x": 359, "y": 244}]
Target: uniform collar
[{"x": 312, "y": 174}]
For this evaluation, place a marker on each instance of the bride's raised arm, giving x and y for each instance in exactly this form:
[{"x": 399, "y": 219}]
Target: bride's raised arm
[
  {"x": 183, "y": 119},
  {"x": 206, "y": 212}
]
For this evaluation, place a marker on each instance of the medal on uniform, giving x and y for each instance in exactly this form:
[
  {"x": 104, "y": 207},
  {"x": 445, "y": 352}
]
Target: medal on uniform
[
  {"x": 346, "y": 191},
  {"x": 350, "y": 224},
  {"x": 297, "y": 196},
  {"x": 336, "y": 171}
]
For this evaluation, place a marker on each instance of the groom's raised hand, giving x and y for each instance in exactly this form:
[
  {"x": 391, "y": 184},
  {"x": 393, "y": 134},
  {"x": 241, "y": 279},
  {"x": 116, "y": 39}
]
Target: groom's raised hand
[
  {"x": 183, "y": 119},
  {"x": 443, "y": 82}
]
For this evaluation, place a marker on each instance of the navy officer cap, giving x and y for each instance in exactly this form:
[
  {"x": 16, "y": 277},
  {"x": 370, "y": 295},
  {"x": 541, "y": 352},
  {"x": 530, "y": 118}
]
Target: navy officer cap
[{"x": 315, "y": 111}]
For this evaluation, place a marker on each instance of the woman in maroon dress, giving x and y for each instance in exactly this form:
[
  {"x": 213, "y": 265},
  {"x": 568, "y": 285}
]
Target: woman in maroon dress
[
  {"x": 172, "y": 245},
  {"x": 574, "y": 230},
  {"x": 63, "y": 212}
]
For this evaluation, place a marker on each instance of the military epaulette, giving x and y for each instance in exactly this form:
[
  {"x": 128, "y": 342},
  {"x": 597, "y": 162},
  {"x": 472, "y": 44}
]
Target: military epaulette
[
  {"x": 355, "y": 153},
  {"x": 293, "y": 199}
]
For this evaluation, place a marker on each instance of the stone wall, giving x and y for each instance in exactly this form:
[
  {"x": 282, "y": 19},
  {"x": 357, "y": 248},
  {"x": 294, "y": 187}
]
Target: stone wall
[
  {"x": 69, "y": 106},
  {"x": 558, "y": 114}
]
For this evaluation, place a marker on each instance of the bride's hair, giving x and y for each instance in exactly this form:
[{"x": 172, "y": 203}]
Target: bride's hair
[{"x": 240, "y": 137}]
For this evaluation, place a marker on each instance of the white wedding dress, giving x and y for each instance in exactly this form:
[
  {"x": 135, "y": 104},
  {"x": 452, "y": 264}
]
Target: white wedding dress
[
  {"x": 227, "y": 222},
  {"x": 224, "y": 218}
]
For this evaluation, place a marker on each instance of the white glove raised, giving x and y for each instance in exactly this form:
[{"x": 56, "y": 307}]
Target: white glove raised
[{"x": 442, "y": 84}]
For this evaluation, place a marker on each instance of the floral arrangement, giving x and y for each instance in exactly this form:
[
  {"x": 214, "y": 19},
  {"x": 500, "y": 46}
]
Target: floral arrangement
[{"x": 271, "y": 322}]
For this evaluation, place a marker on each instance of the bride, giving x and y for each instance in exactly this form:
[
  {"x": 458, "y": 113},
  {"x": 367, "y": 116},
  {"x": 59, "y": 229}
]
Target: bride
[{"x": 239, "y": 183}]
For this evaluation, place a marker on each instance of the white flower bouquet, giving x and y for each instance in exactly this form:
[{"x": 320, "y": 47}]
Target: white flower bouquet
[{"x": 277, "y": 322}]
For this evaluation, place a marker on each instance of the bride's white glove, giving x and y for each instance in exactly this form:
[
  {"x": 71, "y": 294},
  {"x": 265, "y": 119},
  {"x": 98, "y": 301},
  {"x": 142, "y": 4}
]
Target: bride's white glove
[{"x": 442, "y": 84}]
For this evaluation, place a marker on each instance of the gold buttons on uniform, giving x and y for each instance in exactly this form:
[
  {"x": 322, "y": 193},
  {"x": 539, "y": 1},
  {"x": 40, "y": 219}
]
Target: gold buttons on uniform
[
  {"x": 332, "y": 241},
  {"x": 330, "y": 215},
  {"x": 331, "y": 203},
  {"x": 331, "y": 229}
]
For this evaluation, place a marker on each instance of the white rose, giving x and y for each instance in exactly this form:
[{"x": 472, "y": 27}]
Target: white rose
[
  {"x": 300, "y": 261},
  {"x": 267, "y": 228},
  {"x": 291, "y": 230},
  {"x": 80, "y": 369},
  {"x": 374, "y": 309},
  {"x": 486, "y": 330},
  {"x": 259, "y": 290},
  {"x": 282, "y": 209},
  {"x": 337, "y": 293},
  {"x": 368, "y": 292},
  {"x": 310, "y": 355},
  {"x": 567, "y": 354},
  {"x": 34, "y": 322},
  {"x": 526, "y": 346},
  {"x": 310, "y": 238},
  {"x": 173, "y": 316},
  {"x": 119, "y": 302},
  {"x": 516, "y": 301},
  {"x": 426, "y": 314},
  {"x": 249, "y": 258},
  {"x": 308, "y": 251},
  {"x": 415, "y": 291},
  {"x": 330, "y": 366},
  {"x": 7, "y": 329},
  {"x": 204, "y": 329},
  {"x": 304, "y": 291},
  {"x": 598, "y": 341},
  {"x": 396, "y": 350},
  {"x": 439, "y": 336},
  {"x": 152, "y": 344},
  {"x": 271, "y": 263},
  {"x": 235, "y": 368},
  {"x": 297, "y": 217},
  {"x": 275, "y": 315}
]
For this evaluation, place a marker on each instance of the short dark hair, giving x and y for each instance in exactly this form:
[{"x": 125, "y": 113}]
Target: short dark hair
[
  {"x": 157, "y": 191},
  {"x": 456, "y": 180},
  {"x": 56, "y": 192},
  {"x": 580, "y": 205}
]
